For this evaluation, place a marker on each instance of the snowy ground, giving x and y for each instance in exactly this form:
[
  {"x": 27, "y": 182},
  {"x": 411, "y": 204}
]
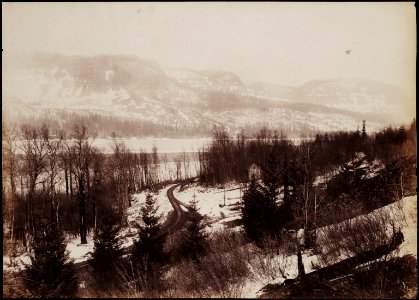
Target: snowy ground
[
  {"x": 210, "y": 203},
  {"x": 127, "y": 234},
  {"x": 359, "y": 162},
  {"x": 82, "y": 252},
  {"x": 404, "y": 215}
]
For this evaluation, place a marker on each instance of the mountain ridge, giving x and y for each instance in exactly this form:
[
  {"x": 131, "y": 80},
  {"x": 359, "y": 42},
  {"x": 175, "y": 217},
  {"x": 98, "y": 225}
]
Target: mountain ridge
[{"x": 128, "y": 87}]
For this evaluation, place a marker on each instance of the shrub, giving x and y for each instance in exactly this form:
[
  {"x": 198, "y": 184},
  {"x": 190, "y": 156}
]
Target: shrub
[
  {"x": 220, "y": 272},
  {"x": 395, "y": 279}
]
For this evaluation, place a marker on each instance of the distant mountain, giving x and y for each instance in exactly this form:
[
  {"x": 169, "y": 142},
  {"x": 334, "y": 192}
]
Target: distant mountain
[
  {"x": 140, "y": 93},
  {"x": 272, "y": 90},
  {"x": 361, "y": 95}
]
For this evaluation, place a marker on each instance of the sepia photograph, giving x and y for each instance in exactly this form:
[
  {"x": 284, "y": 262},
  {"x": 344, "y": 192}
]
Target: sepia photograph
[{"x": 209, "y": 150}]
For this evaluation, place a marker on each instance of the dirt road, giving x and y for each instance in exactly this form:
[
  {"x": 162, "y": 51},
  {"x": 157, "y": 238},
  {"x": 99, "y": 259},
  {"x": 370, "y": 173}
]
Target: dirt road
[{"x": 174, "y": 222}]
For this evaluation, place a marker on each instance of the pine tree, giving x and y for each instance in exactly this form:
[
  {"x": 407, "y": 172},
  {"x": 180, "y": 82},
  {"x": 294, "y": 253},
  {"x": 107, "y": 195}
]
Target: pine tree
[
  {"x": 50, "y": 275},
  {"x": 364, "y": 132},
  {"x": 281, "y": 214},
  {"x": 148, "y": 243},
  {"x": 286, "y": 181},
  {"x": 272, "y": 172},
  {"x": 259, "y": 212},
  {"x": 106, "y": 255},
  {"x": 147, "y": 254},
  {"x": 195, "y": 243},
  {"x": 296, "y": 183}
]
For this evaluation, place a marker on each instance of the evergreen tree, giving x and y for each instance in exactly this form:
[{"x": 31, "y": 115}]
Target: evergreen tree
[
  {"x": 285, "y": 215},
  {"x": 148, "y": 243},
  {"x": 106, "y": 255},
  {"x": 286, "y": 181},
  {"x": 295, "y": 201},
  {"x": 364, "y": 131},
  {"x": 195, "y": 243},
  {"x": 147, "y": 253},
  {"x": 273, "y": 177},
  {"x": 50, "y": 275},
  {"x": 259, "y": 212},
  {"x": 272, "y": 172}
]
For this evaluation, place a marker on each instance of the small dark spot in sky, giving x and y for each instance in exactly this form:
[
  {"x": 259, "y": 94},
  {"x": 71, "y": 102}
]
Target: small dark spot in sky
[
  {"x": 348, "y": 51},
  {"x": 138, "y": 10}
]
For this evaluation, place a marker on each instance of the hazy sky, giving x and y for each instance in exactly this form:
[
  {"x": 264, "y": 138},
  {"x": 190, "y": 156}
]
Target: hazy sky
[{"x": 287, "y": 43}]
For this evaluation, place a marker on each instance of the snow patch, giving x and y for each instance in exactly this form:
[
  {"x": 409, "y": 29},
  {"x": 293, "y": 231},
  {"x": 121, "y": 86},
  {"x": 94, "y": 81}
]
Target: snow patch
[{"x": 220, "y": 206}]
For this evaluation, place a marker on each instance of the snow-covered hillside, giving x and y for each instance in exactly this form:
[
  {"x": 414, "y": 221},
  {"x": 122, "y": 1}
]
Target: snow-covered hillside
[
  {"x": 403, "y": 214},
  {"x": 130, "y": 88},
  {"x": 354, "y": 94},
  {"x": 399, "y": 215}
]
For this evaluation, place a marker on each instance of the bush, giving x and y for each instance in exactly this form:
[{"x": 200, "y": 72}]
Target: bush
[
  {"x": 353, "y": 236},
  {"x": 396, "y": 278},
  {"x": 139, "y": 278},
  {"x": 14, "y": 286},
  {"x": 220, "y": 272}
]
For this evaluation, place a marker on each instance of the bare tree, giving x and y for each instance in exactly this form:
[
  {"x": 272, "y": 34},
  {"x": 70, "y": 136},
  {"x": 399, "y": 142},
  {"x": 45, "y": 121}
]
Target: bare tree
[
  {"x": 121, "y": 166},
  {"x": 98, "y": 176},
  {"x": 145, "y": 167},
  {"x": 53, "y": 151},
  {"x": 165, "y": 161},
  {"x": 82, "y": 154},
  {"x": 185, "y": 161},
  {"x": 9, "y": 169},
  {"x": 155, "y": 166},
  {"x": 178, "y": 161},
  {"x": 34, "y": 148}
]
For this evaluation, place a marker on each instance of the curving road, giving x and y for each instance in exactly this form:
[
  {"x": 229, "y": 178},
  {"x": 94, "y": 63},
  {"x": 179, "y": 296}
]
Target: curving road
[{"x": 174, "y": 222}]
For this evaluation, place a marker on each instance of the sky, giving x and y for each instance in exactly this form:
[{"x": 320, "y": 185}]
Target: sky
[{"x": 284, "y": 43}]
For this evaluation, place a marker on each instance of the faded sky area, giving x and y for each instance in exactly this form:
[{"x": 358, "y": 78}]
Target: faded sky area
[{"x": 285, "y": 43}]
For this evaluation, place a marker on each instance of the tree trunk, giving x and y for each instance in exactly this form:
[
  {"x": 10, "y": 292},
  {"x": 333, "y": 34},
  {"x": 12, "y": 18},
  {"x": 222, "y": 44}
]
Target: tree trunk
[
  {"x": 401, "y": 184},
  {"x": 66, "y": 182},
  {"x": 129, "y": 200},
  {"x": 301, "y": 271},
  {"x": 119, "y": 196},
  {"x": 57, "y": 212},
  {"x": 94, "y": 210},
  {"x": 126, "y": 202},
  {"x": 27, "y": 225},
  {"x": 82, "y": 216},
  {"x": 12, "y": 200},
  {"x": 71, "y": 181},
  {"x": 30, "y": 208},
  {"x": 88, "y": 187},
  {"x": 52, "y": 195},
  {"x": 52, "y": 210}
]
